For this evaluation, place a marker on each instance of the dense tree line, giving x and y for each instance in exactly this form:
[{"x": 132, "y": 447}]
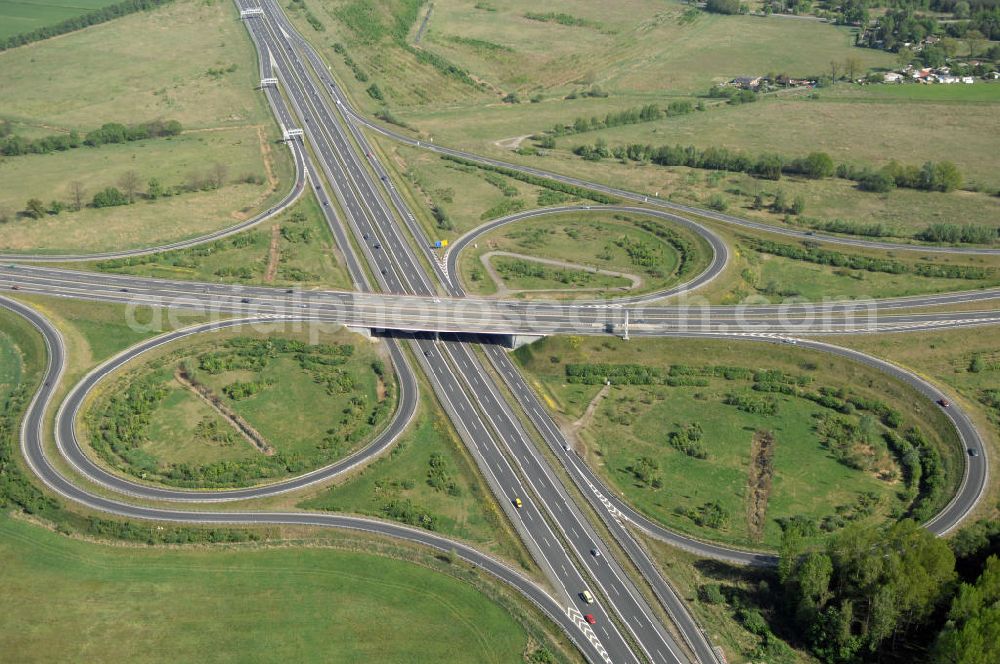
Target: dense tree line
[
  {"x": 94, "y": 17},
  {"x": 941, "y": 176},
  {"x": 12, "y": 145},
  {"x": 636, "y": 115}
]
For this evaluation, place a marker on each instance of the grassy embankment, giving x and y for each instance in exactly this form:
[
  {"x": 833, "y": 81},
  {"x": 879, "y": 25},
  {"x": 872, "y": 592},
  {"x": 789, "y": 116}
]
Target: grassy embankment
[
  {"x": 824, "y": 466},
  {"x": 130, "y": 71},
  {"x": 294, "y": 249}
]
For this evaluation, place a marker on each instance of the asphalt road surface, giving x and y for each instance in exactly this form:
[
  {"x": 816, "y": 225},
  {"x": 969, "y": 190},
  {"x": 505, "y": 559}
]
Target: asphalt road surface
[{"x": 477, "y": 384}]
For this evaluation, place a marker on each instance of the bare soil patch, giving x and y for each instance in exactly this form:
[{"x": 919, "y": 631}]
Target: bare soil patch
[{"x": 759, "y": 485}]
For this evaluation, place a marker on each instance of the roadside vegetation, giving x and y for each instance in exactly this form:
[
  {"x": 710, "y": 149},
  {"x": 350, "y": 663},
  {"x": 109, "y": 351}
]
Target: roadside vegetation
[
  {"x": 428, "y": 480},
  {"x": 967, "y": 362},
  {"x": 242, "y": 409},
  {"x": 780, "y": 269},
  {"x": 294, "y": 249},
  {"x": 794, "y": 438}
]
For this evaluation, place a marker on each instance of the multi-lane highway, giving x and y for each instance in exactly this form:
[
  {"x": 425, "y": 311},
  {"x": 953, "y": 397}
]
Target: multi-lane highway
[
  {"x": 478, "y": 386},
  {"x": 433, "y": 313}
]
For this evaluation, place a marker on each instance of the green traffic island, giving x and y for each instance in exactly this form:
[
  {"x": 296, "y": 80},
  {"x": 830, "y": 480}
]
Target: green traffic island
[
  {"x": 777, "y": 268},
  {"x": 241, "y": 409},
  {"x": 591, "y": 254},
  {"x": 428, "y": 480},
  {"x": 735, "y": 442}
]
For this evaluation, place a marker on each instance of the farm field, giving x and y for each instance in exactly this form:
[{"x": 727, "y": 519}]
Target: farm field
[
  {"x": 138, "y": 68},
  {"x": 696, "y": 474},
  {"x": 643, "y": 48},
  {"x": 66, "y": 598},
  {"x": 19, "y": 16},
  {"x": 234, "y": 408},
  {"x": 303, "y": 254},
  {"x": 244, "y": 152},
  {"x": 895, "y": 124},
  {"x": 614, "y": 243}
]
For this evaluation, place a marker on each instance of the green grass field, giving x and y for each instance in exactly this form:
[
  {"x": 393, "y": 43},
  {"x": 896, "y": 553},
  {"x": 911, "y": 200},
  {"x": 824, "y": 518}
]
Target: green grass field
[
  {"x": 306, "y": 255},
  {"x": 172, "y": 162},
  {"x": 21, "y": 16},
  {"x": 467, "y": 511},
  {"x": 309, "y": 414},
  {"x": 67, "y": 599},
  {"x": 137, "y": 69},
  {"x": 634, "y": 421},
  {"x": 595, "y": 239}
]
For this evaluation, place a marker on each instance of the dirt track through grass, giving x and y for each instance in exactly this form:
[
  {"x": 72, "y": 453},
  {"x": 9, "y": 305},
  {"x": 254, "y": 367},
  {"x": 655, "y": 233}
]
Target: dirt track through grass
[{"x": 759, "y": 485}]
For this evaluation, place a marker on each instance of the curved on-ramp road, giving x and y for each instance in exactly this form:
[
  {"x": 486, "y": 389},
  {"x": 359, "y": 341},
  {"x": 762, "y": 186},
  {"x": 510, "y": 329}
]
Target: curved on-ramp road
[{"x": 718, "y": 262}]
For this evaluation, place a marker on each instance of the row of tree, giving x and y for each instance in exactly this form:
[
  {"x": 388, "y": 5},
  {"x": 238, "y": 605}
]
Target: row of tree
[
  {"x": 636, "y": 115},
  {"x": 102, "y": 15},
  {"x": 12, "y": 145},
  {"x": 932, "y": 176},
  {"x": 127, "y": 191},
  {"x": 813, "y": 254}
]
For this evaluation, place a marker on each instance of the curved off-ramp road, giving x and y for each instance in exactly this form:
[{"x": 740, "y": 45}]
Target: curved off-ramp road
[
  {"x": 70, "y": 448},
  {"x": 718, "y": 262}
]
